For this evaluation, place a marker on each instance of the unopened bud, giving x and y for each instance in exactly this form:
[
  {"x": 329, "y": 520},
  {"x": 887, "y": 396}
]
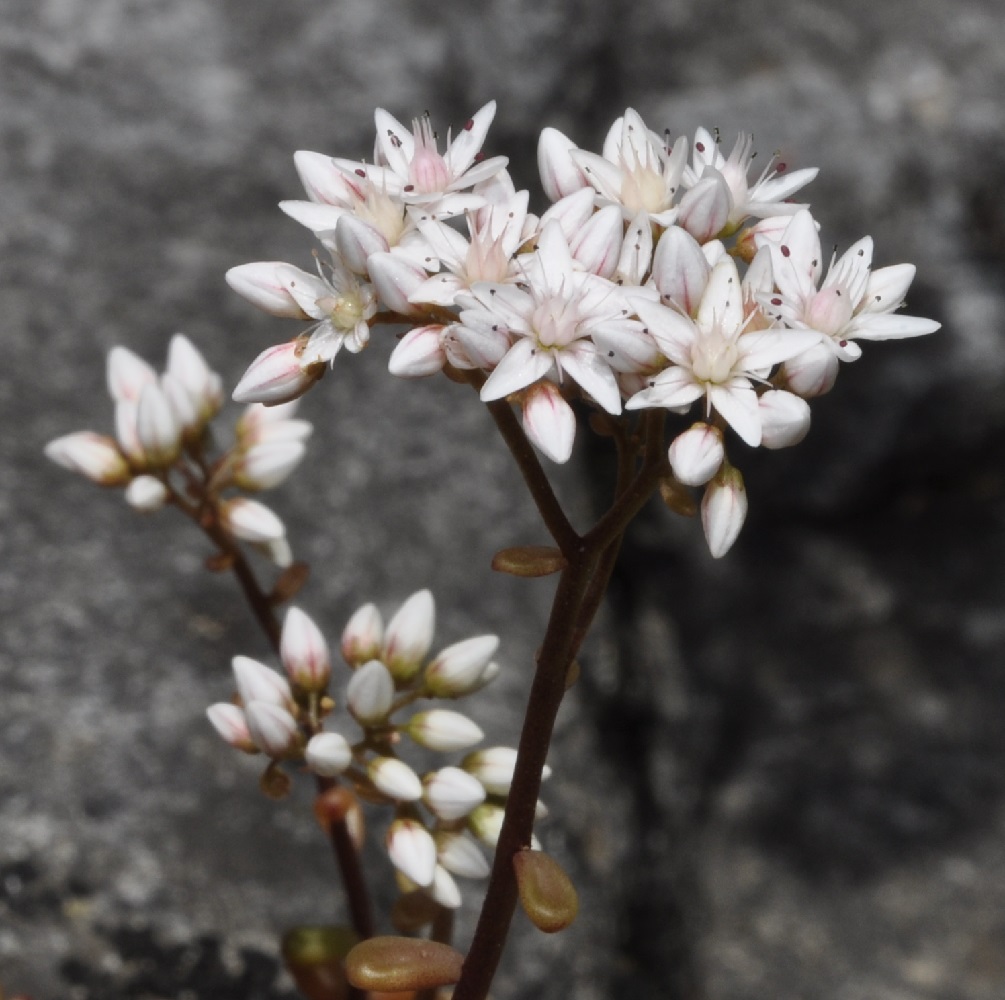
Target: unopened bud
[
  {"x": 264, "y": 466},
  {"x": 695, "y": 455},
  {"x": 494, "y": 767},
  {"x": 444, "y": 889},
  {"x": 459, "y": 853},
  {"x": 419, "y": 353},
  {"x": 189, "y": 367},
  {"x": 813, "y": 372},
  {"x": 256, "y": 682},
  {"x": 127, "y": 373},
  {"x": 452, "y": 793},
  {"x": 157, "y": 426},
  {"x": 363, "y": 636},
  {"x": 412, "y": 850},
  {"x": 262, "y": 284},
  {"x": 182, "y": 405},
  {"x": 250, "y": 520},
  {"x": 370, "y": 693},
  {"x": 92, "y": 455},
  {"x": 395, "y": 779},
  {"x": 443, "y": 730},
  {"x": 276, "y": 376},
  {"x": 486, "y": 822},
  {"x": 304, "y": 652},
  {"x": 560, "y": 176},
  {"x": 272, "y": 728},
  {"x": 146, "y": 494},
  {"x": 395, "y": 278},
  {"x": 458, "y": 668},
  {"x": 409, "y": 635},
  {"x": 723, "y": 510},
  {"x": 548, "y": 420},
  {"x": 229, "y": 721},
  {"x": 680, "y": 270},
  {"x": 328, "y": 754},
  {"x": 785, "y": 418},
  {"x": 706, "y": 207}
]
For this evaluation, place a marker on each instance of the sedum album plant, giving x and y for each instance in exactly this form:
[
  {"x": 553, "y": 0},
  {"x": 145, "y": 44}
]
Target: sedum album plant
[{"x": 666, "y": 300}]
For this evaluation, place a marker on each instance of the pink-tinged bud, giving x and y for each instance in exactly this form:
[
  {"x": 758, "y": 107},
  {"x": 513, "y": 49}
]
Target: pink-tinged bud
[
  {"x": 275, "y": 376},
  {"x": 695, "y": 455},
  {"x": 813, "y": 372},
  {"x": 250, "y": 521},
  {"x": 680, "y": 270},
  {"x": 157, "y": 427},
  {"x": 260, "y": 424},
  {"x": 395, "y": 279},
  {"x": 127, "y": 373},
  {"x": 395, "y": 779},
  {"x": 559, "y": 174},
  {"x": 188, "y": 366},
  {"x": 146, "y": 494},
  {"x": 304, "y": 652},
  {"x": 328, "y": 754},
  {"x": 571, "y": 212},
  {"x": 452, "y": 793},
  {"x": 759, "y": 235},
  {"x": 494, "y": 768},
  {"x": 357, "y": 241},
  {"x": 597, "y": 246},
  {"x": 370, "y": 693},
  {"x": 363, "y": 636},
  {"x": 412, "y": 850},
  {"x": 443, "y": 730},
  {"x": 549, "y": 421},
  {"x": 262, "y": 285},
  {"x": 266, "y": 465},
  {"x": 705, "y": 209},
  {"x": 182, "y": 404},
  {"x": 229, "y": 721},
  {"x": 257, "y": 682},
  {"x": 272, "y": 728},
  {"x": 785, "y": 418},
  {"x": 459, "y": 854},
  {"x": 92, "y": 455},
  {"x": 444, "y": 889},
  {"x": 485, "y": 822},
  {"x": 723, "y": 510},
  {"x": 636, "y": 251},
  {"x": 458, "y": 669},
  {"x": 409, "y": 635},
  {"x": 419, "y": 353},
  {"x": 322, "y": 179}
]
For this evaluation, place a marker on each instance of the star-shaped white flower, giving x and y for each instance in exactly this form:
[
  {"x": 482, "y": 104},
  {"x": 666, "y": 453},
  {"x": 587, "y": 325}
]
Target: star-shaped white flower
[
  {"x": 714, "y": 355},
  {"x": 852, "y": 303}
]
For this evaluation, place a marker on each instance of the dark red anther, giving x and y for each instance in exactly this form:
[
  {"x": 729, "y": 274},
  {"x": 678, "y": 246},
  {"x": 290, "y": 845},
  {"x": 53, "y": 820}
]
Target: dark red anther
[
  {"x": 700, "y": 146},
  {"x": 469, "y": 125},
  {"x": 776, "y": 301},
  {"x": 409, "y": 187},
  {"x": 786, "y": 252},
  {"x": 360, "y": 172},
  {"x": 781, "y": 168}
]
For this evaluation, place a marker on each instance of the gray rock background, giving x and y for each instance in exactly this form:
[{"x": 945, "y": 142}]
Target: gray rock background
[{"x": 782, "y": 775}]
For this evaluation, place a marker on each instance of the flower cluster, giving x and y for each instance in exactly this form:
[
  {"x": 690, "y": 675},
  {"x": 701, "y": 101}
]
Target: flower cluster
[
  {"x": 160, "y": 452},
  {"x": 429, "y": 839},
  {"x": 661, "y": 276}
]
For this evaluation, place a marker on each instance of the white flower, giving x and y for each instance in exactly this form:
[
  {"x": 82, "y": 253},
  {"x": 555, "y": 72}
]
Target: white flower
[
  {"x": 852, "y": 303},
  {"x": 637, "y": 172},
  {"x": 713, "y": 357},
  {"x": 766, "y": 197}
]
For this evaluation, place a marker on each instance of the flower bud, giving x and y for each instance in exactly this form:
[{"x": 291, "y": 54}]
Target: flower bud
[
  {"x": 157, "y": 426},
  {"x": 785, "y": 418},
  {"x": 260, "y": 424},
  {"x": 395, "y": 278},
  {"x": 357, "y": 241},
  {"x": 272, "y": 728},
  {"x": 304, "y": 652},
  {"x": 811, "y": 373},
  {"x": 328, "y": 754},
  {"x": 186, "y": 364},
  {"x": 146, "y": 494},
  {"x": 443, "y": 730},
  {"x": 266, "y": 465},
  {"x": 92, "y": 455},
  {"x": 444, "y": 889},
  {"x": 127, "y": 373},
  {"x": 370, "y": 693},
  {"x": 277, "y": 551},
  {"x": 695, "y": 455},
  {"x": 262, "y": 285},
  {"x": 420, "y": 352},
  {"x": 597, "y": 245},
  {"x": 229, "y": 721},
  {"x": 250, "y": 521},
  {"x": 452, "y": 793},
  {"x": 494, "y": 766},
  {"x": 125, "y": 432},
  {"x": 256, "y": 682},
  {"x": 395, "y": 779},
  {"x": 706, "y": 207},
  {"x": 412, "y": 850},
  {"x": 363, "y": 636},
  {"x": 459, "y": 854},
  {"x": 549, "y": 421},
  {"x": 458, "y": 668},
  {"x": 680, "y": 270},
  {"x": 486, "y": 822},
  {"x": 559, "y": 174},
  {"x": 409, "y": 635},
  {"x": 723, "y": 510},
  {"x": 276, "y": 376}
]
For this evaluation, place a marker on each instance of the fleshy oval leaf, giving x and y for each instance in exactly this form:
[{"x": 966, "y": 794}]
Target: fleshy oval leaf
[
  {"x": 396, "y": 964},
  {"x": 547, "y": 894},
  {"x": 529, "y": 560}
]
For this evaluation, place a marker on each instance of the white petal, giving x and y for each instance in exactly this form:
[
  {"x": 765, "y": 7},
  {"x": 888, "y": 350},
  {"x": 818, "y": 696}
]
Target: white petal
[
  {"x": 584, "y": 363},
  {"x": 737, "y": 402},
  {"x": 892, "y": 326},
  {"x": 523, "y": 364},
  {"x": 465, "y": 145}
]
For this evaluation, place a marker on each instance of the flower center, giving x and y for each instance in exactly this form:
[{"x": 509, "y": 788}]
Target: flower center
[
  {"x": 554, "y": 322},
  {"x": 643, "y": 190},
  {"x": 713, "y": 356},
  {"x": 428, "y": 172},
  {"x": 344, "y": 310},
  {"x": 384, "y": 213},
  {"x": 829, "y": 310}
]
